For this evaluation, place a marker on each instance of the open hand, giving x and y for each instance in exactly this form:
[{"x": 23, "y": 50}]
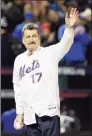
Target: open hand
[{"x": 71, "y": 17}]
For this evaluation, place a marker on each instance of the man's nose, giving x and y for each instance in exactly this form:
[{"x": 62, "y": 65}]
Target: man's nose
[{"x": 31, "y": 39}]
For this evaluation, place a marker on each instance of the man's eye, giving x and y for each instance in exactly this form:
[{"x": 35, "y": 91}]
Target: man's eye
[
  {"x": 34, "y": 36},
  {"x": 27, "y": 36}
]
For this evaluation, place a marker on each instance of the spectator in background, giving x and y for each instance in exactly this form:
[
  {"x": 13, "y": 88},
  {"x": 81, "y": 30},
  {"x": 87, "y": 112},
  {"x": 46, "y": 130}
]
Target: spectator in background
[
  {"x": 35, "y": 12},
  {"x": 14, "y": 12},
  {"x": 86, "y": 14},
  {"x": 7, "y": 120},
  {"x": 61, "y": 8},
  {"x": 43, "y": 11},
  {"x": 47, "y": 38},
  {"x": 55, "y": 21},
  {"x": 77, "y": 54},
  {"x": 28, "y": 17},
  {"x": 86, "y": 19},
  {"x": 39, "y": 10},
  {"x": 10, "y": 47},
  {"x": 69, "y": 122},
  {"x": 82, "y": 4}
]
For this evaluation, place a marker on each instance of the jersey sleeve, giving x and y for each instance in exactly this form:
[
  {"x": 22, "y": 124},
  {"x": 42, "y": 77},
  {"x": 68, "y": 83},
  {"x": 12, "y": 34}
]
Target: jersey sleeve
[
  {"x": 18, "y": 99},
  {"x": 60, "y": 49},
  {"x": 16, "y": 87},
  {"x": 16, "y": 77}
]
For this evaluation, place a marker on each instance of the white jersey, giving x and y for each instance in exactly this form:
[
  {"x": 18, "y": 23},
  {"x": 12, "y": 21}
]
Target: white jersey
[{"x": 35, "y": 80}]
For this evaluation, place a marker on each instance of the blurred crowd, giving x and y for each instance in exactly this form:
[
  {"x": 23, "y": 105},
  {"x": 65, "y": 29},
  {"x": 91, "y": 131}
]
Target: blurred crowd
[
  {"x": 69, "y": 121},
  {"x": 50, "y": 16}
]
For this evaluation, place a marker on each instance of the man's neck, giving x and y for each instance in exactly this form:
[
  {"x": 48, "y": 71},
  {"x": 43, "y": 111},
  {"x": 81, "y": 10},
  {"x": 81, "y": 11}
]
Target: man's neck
[{"x": 31, "y": 52}]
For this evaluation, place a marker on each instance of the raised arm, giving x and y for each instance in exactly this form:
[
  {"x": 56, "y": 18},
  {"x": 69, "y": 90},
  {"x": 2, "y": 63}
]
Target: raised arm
[{"x": 61, "y": 48}]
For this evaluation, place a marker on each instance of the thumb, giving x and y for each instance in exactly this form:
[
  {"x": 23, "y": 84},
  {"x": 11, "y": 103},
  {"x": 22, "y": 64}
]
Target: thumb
[{"x": 67, "y": 15}]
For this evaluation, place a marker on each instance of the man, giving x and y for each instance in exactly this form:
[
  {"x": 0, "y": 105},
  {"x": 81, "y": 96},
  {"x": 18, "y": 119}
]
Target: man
[{"x": 35, "y": 80}]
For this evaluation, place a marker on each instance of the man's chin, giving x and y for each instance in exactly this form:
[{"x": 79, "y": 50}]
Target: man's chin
[{"x": 31, "y": 49}]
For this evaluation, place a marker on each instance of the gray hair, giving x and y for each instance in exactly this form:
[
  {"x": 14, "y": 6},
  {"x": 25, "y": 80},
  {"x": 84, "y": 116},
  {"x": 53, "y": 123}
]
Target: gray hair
[{"x": 30, "y": 26}]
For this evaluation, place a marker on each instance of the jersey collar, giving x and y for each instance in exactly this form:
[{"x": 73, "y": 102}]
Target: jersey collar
[{"x": 38, "y": 49}]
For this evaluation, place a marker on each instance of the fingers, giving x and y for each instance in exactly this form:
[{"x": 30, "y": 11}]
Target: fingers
[
  {"x": 74, "y": 12},
  {"x": 17, "y": 125},
  {"x": 77, "y": 14}
]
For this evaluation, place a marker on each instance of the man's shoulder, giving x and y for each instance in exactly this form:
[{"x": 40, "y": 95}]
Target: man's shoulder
[
  {"x": 20, "y": 56},
  {"x": 47, "y": 48},
  {"x": 44, "y": 49}
]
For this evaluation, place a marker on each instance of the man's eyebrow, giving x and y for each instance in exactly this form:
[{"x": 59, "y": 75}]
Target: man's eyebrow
[
  {"x": 34, "y": 34},
  {"x": 27, "y": 35}
]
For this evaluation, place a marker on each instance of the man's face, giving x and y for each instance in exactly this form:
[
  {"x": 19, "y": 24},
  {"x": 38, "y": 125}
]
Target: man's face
[{"x": 31, "y": 39}]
